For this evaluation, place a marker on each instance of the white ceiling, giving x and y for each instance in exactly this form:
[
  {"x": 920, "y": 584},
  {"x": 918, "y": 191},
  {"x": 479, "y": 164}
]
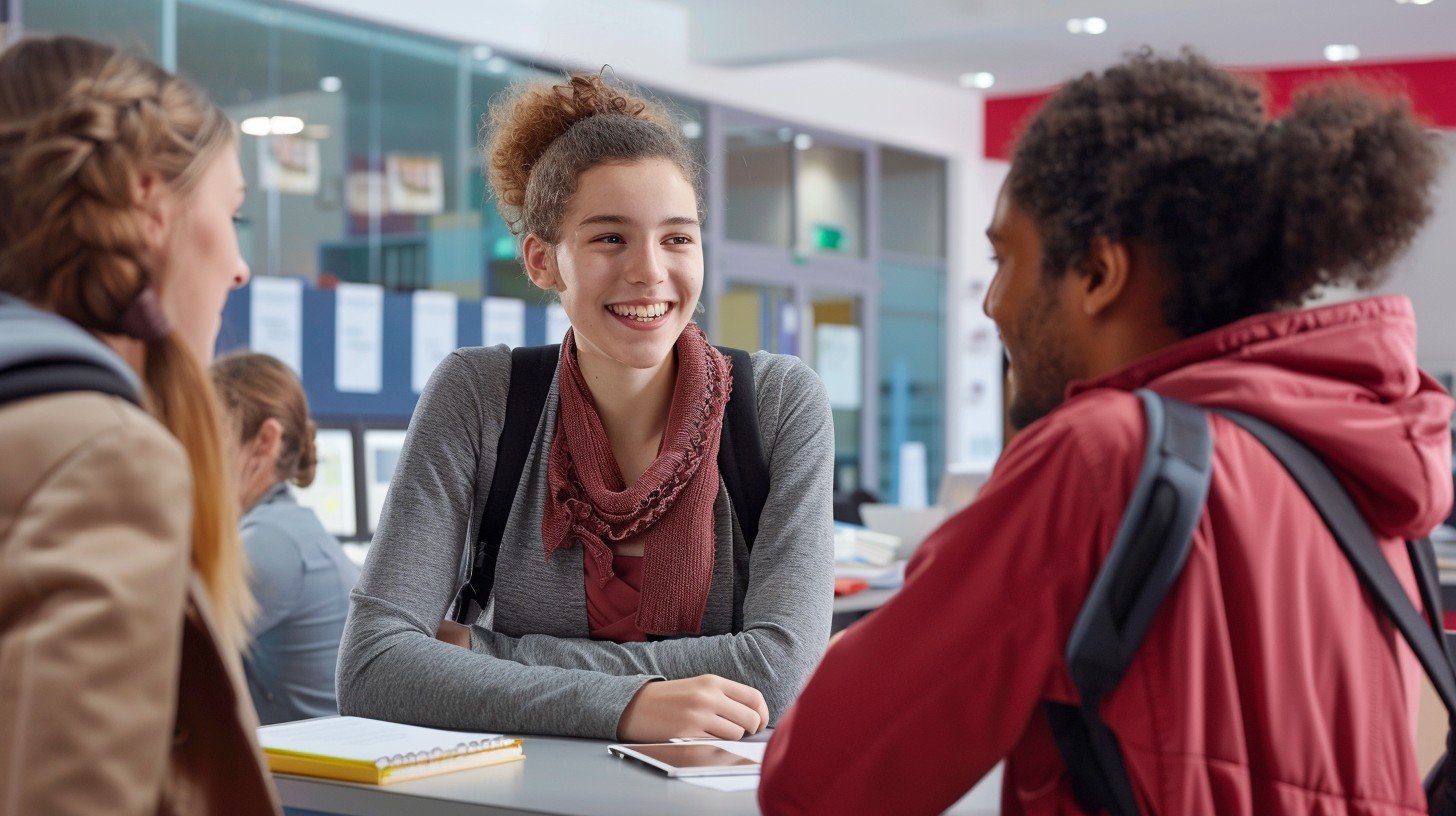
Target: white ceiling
[{"x": 1026, "y": 45}]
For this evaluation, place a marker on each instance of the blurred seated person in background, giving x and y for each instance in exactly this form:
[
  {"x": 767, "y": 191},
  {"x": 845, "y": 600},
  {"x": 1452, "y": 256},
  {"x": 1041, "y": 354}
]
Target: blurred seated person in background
[
  {"x": 1158, "y": 230},
  {"x": 123, "y": 599},
  {"x": 300, "y": 575}
]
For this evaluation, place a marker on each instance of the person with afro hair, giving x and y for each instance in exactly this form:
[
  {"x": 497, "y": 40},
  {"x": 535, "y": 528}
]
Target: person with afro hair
[{"x": 1159, "y": 230}]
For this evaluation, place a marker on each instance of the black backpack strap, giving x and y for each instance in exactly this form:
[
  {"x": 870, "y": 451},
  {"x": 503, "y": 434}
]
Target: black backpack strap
[
  {"x": 532, "y": 370},
  {"x": 741, "y": 465},
  {"x": 1360, "y": 547},
  {"x": 1144, "y": 562},
  {"x": 42, "y": 377}
]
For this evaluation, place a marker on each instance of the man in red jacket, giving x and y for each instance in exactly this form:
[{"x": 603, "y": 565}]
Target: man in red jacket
[{"x": 1153, "y": 224}]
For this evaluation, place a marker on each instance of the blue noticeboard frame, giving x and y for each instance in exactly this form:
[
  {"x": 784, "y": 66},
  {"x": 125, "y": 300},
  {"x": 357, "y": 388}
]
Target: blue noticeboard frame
[{"x": 396, "y": 399}]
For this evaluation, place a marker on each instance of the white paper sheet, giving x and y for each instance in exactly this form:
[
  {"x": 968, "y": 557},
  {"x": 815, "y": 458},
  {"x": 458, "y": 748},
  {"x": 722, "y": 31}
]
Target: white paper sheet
[
  {"x": 503, "y": 320},
  {"x": 435, "y": 316},
  {"x": 359, "y": 338},
  {"x": 727, "y": 784},
  {"x": 363, "y": 739},
  {"x": 275, "y": 321},
  {"x": 556, "y": 323}
]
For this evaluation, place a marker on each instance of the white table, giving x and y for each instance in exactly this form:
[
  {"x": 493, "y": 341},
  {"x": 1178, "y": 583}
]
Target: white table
[{"x": 566, "y": 777}]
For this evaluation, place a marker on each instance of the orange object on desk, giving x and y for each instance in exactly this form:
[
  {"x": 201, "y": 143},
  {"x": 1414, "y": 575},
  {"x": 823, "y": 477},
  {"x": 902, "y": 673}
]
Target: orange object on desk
[{"x": 849, "y": 586}]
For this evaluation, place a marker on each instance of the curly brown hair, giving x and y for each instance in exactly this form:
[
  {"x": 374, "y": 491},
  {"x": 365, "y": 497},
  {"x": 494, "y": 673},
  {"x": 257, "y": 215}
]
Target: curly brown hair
[
  {"x": 541, "y": 138},
  {"x": 1249, "y": 215}
]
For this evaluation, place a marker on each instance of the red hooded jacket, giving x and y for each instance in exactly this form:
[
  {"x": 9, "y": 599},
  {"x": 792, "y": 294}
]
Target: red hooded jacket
[{"x": 1267, "y": 684}]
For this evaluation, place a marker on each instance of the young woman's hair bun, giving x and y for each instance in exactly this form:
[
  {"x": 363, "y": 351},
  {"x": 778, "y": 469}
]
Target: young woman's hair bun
[{"x": 531, "y": 164}]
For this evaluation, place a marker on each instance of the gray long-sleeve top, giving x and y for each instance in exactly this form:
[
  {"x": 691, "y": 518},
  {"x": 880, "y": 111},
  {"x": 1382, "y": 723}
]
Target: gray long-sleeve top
[{"x": 532, "y": 667}]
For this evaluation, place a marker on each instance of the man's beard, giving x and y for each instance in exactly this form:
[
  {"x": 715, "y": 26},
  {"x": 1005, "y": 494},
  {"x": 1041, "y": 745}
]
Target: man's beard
[{"x": 1041, "y": 371}]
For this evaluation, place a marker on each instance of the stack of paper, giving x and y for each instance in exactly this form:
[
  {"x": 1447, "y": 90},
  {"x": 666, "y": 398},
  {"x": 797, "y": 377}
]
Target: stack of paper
[{"x": 856, "y": 545}]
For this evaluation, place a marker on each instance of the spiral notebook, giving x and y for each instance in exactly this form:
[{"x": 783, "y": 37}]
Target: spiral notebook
[{"x": 355, "y": 749}]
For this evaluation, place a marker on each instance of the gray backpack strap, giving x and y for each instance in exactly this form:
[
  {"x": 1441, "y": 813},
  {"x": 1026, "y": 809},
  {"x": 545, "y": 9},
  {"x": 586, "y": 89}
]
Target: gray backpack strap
[
  {"x": 1146, "y": 558},
  {"x": 38, "y": 378}
]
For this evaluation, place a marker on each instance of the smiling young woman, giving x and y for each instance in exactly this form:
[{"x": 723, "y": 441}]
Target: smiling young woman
[{"x": 627, "y": 602}]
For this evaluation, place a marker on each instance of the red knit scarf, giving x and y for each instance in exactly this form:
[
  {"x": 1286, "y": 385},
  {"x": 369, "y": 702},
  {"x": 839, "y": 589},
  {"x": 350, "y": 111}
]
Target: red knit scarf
[{"x": 669, "y": 509}]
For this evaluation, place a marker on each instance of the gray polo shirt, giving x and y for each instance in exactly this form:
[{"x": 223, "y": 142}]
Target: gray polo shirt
[{"x": 301, "y": 578}]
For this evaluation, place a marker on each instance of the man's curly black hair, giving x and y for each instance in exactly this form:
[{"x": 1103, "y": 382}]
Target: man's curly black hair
[{"x": 1249, "y": 215}]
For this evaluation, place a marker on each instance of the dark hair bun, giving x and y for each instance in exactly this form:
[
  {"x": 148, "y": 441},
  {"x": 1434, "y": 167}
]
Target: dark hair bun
[{"x": 1353, "y": 173}]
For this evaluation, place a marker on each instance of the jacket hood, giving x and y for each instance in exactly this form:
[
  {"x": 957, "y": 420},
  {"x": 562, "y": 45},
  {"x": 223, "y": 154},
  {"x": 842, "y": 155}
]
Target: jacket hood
[
  {"x": 31, "y": 336},
  {"x": 1343, "y": 380}
]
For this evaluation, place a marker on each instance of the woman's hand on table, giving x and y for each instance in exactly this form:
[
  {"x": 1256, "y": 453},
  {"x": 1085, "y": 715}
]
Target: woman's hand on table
[{"x": 702, "y": 706}]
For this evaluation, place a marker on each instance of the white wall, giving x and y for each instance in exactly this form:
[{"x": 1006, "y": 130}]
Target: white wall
[
  {"x": 646, "y": 41},
  {"x": 1427, "y": 274}
]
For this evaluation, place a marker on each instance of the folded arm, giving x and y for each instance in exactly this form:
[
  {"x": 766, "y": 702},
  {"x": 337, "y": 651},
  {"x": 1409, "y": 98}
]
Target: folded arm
[{"x": 789, "y": 601}]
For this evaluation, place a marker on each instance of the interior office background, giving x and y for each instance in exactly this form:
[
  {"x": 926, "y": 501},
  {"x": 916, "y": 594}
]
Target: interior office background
[{"x": 845, "y": 201}]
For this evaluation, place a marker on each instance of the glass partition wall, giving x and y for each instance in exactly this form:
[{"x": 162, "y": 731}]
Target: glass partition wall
[
  {"x": 912, "y": 360},
  {"x": 359, "y": 146},
  {"x": 790, "y": 270}
]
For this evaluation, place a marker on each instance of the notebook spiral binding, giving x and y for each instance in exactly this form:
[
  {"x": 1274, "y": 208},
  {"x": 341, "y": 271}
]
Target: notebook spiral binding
[{"x": 437, "y": 754}]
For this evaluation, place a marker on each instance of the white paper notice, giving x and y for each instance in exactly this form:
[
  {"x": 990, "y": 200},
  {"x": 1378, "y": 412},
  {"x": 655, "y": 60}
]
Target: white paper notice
[
  {"x": 838, "y": 361},
  {"x": 359, "y": 338},
  {"x": 503, "y": 320},
  {"x": 275, "y": 322},
  {"x": 556, "y": 323},
  {"x": 435, "y": 316}
]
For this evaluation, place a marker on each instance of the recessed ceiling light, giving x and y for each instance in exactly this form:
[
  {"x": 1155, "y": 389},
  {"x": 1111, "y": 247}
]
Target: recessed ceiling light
[
  {"x": 803, "y": 141},
  {"x": 1341, "y": 53},
  {"x": 330, "y": 84},
  {"x": 497, "y": 65},
  {"x": 978, "y": 79},
  {"x": 1413, "y": 2},
  {"x": 256, "y": 126},
  {"x": 482, "y": 53},
  {"x": 1086, "y": 25},
  {"x": 692, "y": 130},
  {"x": 285, "y": 125},
  {"x": 1074, "y": 25}
]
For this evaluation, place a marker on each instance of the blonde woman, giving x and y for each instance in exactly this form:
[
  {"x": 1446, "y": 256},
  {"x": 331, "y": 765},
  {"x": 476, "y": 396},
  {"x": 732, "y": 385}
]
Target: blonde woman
[{"x": 123, "y": 601}]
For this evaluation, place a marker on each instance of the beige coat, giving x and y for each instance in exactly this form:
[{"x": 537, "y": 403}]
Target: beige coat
[{"x": 114, "y": 695}]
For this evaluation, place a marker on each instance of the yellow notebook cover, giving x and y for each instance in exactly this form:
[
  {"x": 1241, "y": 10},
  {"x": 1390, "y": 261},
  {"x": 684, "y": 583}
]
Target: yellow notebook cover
[
  {"x": 375, "y": 775},
  {"x": 355, "y": 749}
]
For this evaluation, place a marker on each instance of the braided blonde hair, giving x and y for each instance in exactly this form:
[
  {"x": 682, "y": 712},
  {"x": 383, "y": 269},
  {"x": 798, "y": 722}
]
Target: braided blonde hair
[{"x": 80, "y": 124}]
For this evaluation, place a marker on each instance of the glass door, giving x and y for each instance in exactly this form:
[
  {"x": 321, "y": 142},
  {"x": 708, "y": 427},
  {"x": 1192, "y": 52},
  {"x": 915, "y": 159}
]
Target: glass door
[
  {"x": 754, "y": 317},
  {"x": 836, "y": 339}
]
